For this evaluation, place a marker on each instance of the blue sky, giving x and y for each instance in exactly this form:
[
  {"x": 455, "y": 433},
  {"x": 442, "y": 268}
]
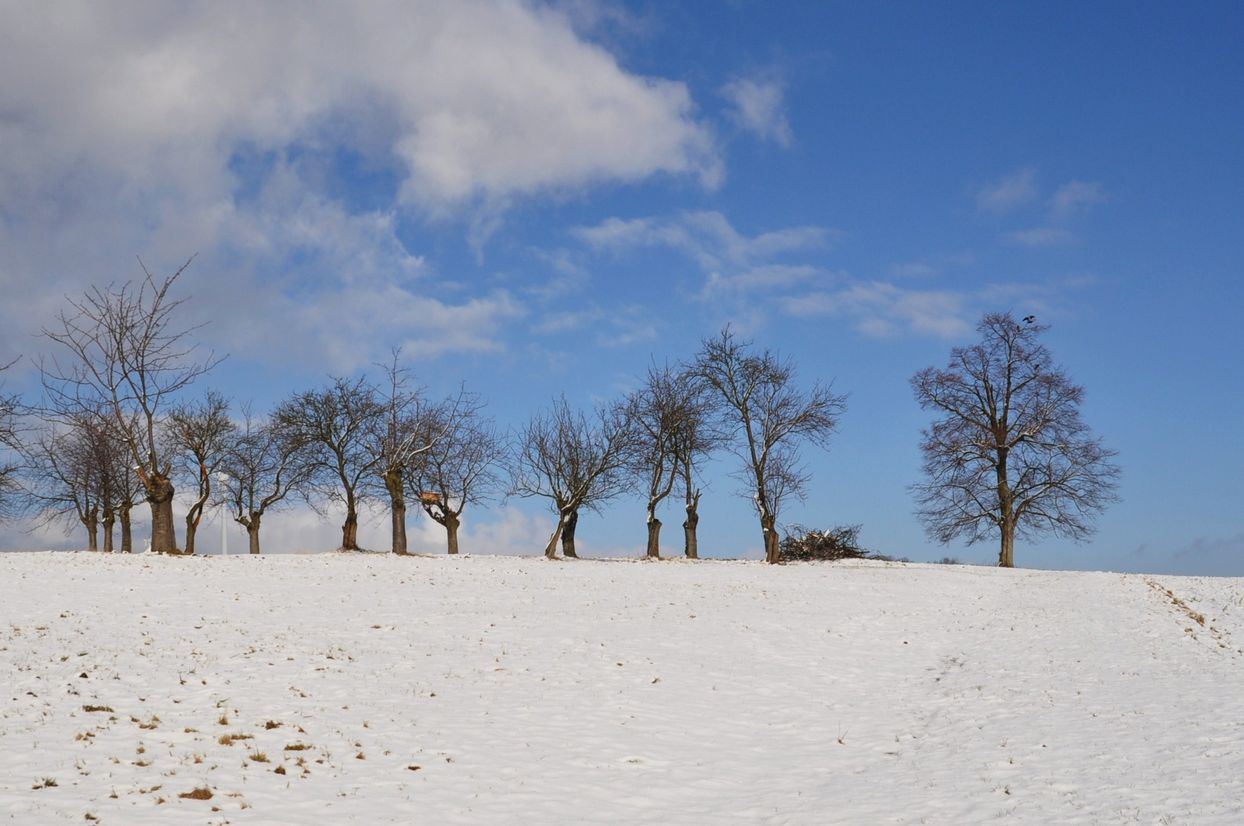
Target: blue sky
[{"x": 538, "y": 199}]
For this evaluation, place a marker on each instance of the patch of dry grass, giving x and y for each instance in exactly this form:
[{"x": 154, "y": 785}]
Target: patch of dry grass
[{"x": 201, "y": 793}]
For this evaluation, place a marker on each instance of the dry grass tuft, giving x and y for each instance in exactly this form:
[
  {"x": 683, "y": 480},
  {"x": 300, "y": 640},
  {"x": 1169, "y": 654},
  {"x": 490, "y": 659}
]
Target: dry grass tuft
[
  {"x": 201, "y": 793},
  {"x": 230, "y": 739}
]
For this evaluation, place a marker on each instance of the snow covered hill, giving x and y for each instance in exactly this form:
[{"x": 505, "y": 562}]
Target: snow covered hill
[{"x": 370, "y": 689}]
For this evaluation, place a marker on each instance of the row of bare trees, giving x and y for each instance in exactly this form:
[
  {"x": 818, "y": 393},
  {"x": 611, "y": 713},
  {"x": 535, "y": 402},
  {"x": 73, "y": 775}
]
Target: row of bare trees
[
  {"x": 347, "y": 443},
  {"x": 729, "y": 396},
  {"x": 1008, "y": 452},
  {"x": 119, "y": 425}
]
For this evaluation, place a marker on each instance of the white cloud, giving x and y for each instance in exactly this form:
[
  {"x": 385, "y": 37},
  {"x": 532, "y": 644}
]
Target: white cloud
[
  {"x": 758, "y": 106},
  {"x": 1009, "y": 192},
  {"x": 514, "y": 533},
  {"x": 627, "y": 326},
  {"x": 1040, "y": 237},
  {"x": 567, "y": 275},
  {"x": 707, "y": 237},
  {"x": 617, "y": 327},
  {"x": 745, "y": 277},
  {"x": 914, "y": 269},
  {"x": 763, "y": 277},
  {"x": 1073, "y": 196},
  {"x": 929, "y": 267},
  {"x": 880, "y": 309},
  {"x": 350, "y": 289},
  {"x": 127, "y": 128},
  {"x": 566, "y": 320},
  {"x": 470, "y": 98}
]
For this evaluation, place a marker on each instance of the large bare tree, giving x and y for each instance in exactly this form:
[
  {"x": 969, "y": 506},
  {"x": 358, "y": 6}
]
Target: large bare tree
[
  {"x": 332, "y": 427},
  {"x": 461, "y": 464},
  {"x": 667, "y": 414},
  {"x": 1009, "y": 452},
  {"x": 572, "y": 461},
  {"x": 769, "y": 418},
  {"x": 199, "y": 433},
  {"x": 398, "y": 437},
  {"x": 262, "y": 469},
  {"x": 123, "y": 354}
]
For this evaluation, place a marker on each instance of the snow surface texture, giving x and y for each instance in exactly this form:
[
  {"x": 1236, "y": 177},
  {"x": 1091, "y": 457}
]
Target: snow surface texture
[{"x": 371, "y": 689}]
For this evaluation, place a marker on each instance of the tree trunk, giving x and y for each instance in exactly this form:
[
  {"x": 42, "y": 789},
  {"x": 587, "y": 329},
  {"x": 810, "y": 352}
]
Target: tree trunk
[
  {"x": 773, "y": 554},
  {"x": 252, "y": 532},
  {"x": 191, "y": 525},
  {"x": 350, "y": 528},
  {"x": 550, "y": 550},
  {"x": 193, "y": 517},
  {"x": 451, "y": 531},
  {"x": 91, "y": 523},
  {"x": 1006, "y": 505},
  {"x": 654, "y": 535},
  {"x": 127, "y": 532},
  {"x": 163, "y": 529},
  {"x": 691, "y": 545},
  {"x": 572, "y": 520},
  {"x": 1006, "y": 555},
  {"x": 393, "y": 483},
  {"x": 109, "y": 520}
]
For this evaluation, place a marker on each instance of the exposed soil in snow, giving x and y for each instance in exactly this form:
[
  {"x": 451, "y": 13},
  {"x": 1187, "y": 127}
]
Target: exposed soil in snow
[{"x": 370, "y": 689}]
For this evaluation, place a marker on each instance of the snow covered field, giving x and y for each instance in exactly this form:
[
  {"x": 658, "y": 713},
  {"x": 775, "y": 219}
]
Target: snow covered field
[{"x": 371, "y": 689}]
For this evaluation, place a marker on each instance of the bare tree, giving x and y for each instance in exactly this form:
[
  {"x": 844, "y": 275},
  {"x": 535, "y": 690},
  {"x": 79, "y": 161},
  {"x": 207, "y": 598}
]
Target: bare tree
[
  {"x": 1009, "y": 451},
  {"x": 262, "y": 470},
  {"x": 63, "y": 483},
  {"x": 698, "y": 435},
  {"x": 105, "y": 452},
  {"x": 124, "y": 356},
  {"x": 573, "y": 462},
  {"x": 130, "y": 494},
  {"x": 769, "y": 417},
  {"x": 461, "y": 463},
  {"x": 198, "y": 432},
  {"x": 398, "y": 436},
  {"x": 666, "y": 415},
  {"x": 78, "y": 472},
  {"x": 331, "y": 430},
  {"x": 10, "y": 450}
]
